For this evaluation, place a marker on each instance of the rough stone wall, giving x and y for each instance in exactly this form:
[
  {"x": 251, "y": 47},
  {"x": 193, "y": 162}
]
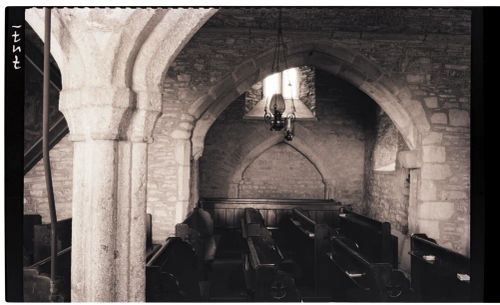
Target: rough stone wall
[
  {"x": 162, "y": 180},
  {"x": 337, "y": 138},
  {"x": 428, "y": 49},
  {"x": 35, "y": 192},
  {"x": 386, "y": 187},
  {"x": 281, "y": 172}
]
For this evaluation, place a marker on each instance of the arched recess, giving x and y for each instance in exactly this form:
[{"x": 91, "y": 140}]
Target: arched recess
[
  {"x": 252, "y": 152},
  {"x": 390, "y": 94}
]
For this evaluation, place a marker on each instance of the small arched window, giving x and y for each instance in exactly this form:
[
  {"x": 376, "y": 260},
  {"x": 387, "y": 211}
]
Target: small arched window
[{"x": 289, "y": 84}]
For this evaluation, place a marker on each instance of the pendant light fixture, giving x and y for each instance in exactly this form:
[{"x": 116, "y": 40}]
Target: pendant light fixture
[{"x": 276, "y": 106}]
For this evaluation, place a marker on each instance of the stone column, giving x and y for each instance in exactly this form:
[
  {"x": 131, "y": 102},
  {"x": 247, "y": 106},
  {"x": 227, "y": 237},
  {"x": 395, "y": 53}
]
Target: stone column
[
  {"x": 234, "y": 189},
  {"x": 183, "y": 152},
  {"x": 94, "y": 116},
  {"x": 329, "y": 189},
  {"x": 194, "y": 185},
  {"x": 109, "y": 193},
  {"x": 412, "y": 160},
  {"x": 131, "y": 222},
  {"x": 134, "y": 174}
]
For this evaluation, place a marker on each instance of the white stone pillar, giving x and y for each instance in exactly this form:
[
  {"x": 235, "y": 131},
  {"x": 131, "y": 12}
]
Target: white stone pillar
[
  {"x": 94, "y": 220},
  {"x": 183, "y": 160},
  {"x": 109, "y": 194}
]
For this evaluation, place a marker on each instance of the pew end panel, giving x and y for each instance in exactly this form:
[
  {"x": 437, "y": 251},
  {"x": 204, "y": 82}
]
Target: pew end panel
[
  {"x": 198, "y": 230},
  {"x": 437, "y": 273},
  {"x": 361, "y": 280},
  {"x": 372, "y": 237},
  {"x": 172, "y": 274}
]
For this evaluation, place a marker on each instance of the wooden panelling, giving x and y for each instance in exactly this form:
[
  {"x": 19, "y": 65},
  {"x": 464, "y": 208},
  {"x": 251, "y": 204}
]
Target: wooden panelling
[{"x": 227, "y": 212}]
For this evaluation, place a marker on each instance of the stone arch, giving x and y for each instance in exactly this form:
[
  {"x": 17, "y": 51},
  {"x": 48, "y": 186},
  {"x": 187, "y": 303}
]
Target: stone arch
[
  {"x": 252, "y": 152},
  {"x": 300, "y": 144},
  {"x": 317, "y": 185},
  {"x": 170, "y": 34},
  {"x": 35, "y": 18},
  {"x": 134, "y": 63},
  {"x": 390, "y": 94}
]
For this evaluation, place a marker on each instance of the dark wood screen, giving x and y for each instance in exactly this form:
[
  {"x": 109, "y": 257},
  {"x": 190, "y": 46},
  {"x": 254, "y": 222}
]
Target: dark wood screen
[{"x": 227, "y": 213}]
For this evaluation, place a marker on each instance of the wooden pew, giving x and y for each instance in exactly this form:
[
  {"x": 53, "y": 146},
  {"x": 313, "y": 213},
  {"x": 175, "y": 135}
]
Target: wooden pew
[
  {"x": 198, "y": 230},
  {"x": 438, "y": 274},
  {"x": 355, "y": 278},
  {"x": 172, "y": 274},
  {"x": 309, "y": 242},
  {"x": 36, "y": 279},
  {"x": 252, "y": 223},
  {"x": 265, "y": 267},
  {"x": 227, "y": 213},
  {"x": 29, "y": 222},
  {"x": 41, "y": 238},
  {"x": 372, "y": 238}
]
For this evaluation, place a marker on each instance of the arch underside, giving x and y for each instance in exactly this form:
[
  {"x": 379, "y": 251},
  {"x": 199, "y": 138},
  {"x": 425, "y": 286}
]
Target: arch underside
[{"x": 391, "y": 95}]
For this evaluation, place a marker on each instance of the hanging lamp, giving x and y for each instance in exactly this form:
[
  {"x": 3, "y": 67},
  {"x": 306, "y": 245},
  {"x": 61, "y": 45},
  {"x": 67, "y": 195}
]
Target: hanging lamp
[{"x": 276, "y": 106}]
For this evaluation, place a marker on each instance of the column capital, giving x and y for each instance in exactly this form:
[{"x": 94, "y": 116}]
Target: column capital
[
  {"x": 410, "y": 158},
  {"x": 110, "y": 113},
  {"x": 96, "y": 113},
  {"x": 147, "y": 111}
]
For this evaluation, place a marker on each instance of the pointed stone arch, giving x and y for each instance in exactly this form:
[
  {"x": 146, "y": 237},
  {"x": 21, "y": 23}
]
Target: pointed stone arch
[
  {"x": 300, "y": 144},
  {"x": 390, "y": 93}
]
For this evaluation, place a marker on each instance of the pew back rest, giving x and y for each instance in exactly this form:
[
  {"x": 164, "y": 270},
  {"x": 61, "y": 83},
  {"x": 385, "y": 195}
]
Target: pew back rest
[
  {"x": 172, "y": 274},
  {"x": 264, "y": 270},
  {"x": 444, "y": 278},
  {"x": 252, "y": 223},
  {"x": 373, "y": 237},
  {"x": 368, "y": 276},
  {"x": 198, "y": 230},
  {"x": 302, "y": 217},
  {"x": 41, "y": 236},
  {"x": 227, "y": 212},
  {"x": 198, "y": 224}
]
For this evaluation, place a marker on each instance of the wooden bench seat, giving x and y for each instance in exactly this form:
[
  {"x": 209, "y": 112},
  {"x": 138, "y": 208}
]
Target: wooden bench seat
[
  {"x": 372, "y": 237},
  {"x": 355, "y": 278},
  {"x": 308, "y": 242},
  {"x": 265, "y": 267}
]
